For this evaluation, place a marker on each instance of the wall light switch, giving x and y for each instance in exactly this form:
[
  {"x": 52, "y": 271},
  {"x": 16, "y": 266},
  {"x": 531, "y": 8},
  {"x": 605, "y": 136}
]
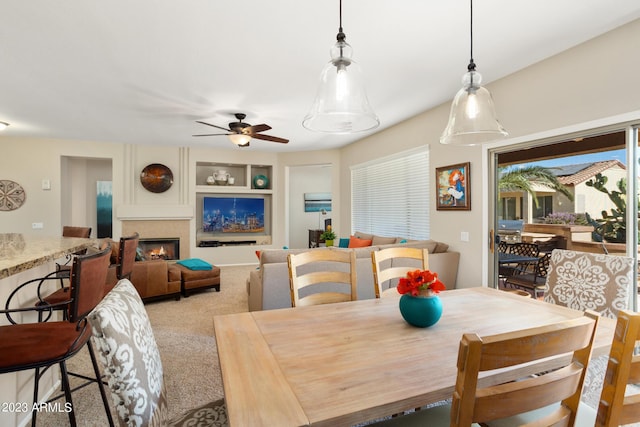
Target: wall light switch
[
  {"x": 464, "y": 236},
  {"x": 37, "y": 225},
  {"x": 46, "y": 184}
]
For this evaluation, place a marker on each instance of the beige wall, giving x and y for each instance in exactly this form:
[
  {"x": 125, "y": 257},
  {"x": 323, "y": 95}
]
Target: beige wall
[{"x": 590, "y": 82}]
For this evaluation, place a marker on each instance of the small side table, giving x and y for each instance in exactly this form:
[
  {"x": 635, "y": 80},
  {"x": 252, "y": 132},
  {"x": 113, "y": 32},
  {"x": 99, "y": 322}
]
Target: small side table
[{"x": 314, "y": 238}]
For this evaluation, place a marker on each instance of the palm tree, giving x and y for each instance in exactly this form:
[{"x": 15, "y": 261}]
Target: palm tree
[{"x": 515, "y": 178}]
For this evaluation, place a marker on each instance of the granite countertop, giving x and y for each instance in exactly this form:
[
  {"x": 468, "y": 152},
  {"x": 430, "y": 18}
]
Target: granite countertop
[{"x": 20, "y": 252}]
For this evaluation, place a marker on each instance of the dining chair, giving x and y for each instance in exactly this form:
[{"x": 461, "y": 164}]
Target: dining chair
[
  {"x": 41, "y": 345},
  {"x": 590, "y": 281},
  {"x": 390, "y": 264},
  {"x": 322, "y": 276},
  {"x": 619, "y": 404},
  {"x": 531, "y": 282},
  {"x": 128, "y": 350},
  {"x": 549, "y": 399}
]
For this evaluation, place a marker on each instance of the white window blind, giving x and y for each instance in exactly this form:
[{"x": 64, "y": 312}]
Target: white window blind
[{"x": 390, "y": 196}]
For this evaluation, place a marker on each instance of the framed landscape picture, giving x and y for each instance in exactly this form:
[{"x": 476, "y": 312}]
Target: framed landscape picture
[{"x": 452, "y": 187}]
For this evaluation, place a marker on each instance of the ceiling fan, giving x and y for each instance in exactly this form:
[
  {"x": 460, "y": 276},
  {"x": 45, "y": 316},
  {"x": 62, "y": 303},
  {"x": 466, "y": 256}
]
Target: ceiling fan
[{"x": 240, "y": 133}]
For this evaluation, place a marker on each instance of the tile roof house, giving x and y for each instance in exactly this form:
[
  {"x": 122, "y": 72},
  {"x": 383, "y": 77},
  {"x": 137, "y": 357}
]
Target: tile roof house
[{"x": 585, "y": 199}]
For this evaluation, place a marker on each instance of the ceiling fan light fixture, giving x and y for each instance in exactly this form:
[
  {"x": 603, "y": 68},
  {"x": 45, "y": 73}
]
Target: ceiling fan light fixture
[
  {"x": 341, "y": 105},
  {"x": 3, "y": 125},
  {"x": 240, "y": 139},
  {"x": 472, "y": 119}
]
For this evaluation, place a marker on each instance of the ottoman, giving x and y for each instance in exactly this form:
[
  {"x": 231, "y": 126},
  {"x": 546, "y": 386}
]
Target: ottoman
[{"x": 194, "y": 280}]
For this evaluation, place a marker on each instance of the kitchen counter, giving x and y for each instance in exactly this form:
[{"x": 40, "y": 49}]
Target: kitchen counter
[{"x": 21, "y": 252}]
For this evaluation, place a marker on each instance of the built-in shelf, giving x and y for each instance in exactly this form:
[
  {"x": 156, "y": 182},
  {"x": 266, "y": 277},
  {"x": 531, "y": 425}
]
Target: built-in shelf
[
  {"x": 245, "y": 184},
  {"x": 239, "y": 177}
]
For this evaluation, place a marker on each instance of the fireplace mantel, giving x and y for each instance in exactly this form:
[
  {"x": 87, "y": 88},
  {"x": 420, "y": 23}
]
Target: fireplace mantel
[{"x": 154, "y": 212}]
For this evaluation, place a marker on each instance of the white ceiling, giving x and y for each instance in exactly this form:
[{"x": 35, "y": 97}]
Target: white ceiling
[{"x": 142, "y": 71}]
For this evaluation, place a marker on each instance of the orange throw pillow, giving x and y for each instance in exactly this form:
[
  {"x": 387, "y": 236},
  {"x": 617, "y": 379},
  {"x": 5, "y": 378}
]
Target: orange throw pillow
[{"x": 354, "y": 242}]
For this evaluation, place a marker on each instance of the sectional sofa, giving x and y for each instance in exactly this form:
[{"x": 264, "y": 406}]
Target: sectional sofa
[{"x": 268, "y": 286}]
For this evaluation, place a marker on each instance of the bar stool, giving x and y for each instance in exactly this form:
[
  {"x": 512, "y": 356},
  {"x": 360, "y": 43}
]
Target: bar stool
[{"x": 25, "y": 346}]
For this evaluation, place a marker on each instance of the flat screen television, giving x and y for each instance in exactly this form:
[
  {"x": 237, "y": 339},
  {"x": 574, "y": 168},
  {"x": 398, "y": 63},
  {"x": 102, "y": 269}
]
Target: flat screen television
[{"x": 232, "y": 215}]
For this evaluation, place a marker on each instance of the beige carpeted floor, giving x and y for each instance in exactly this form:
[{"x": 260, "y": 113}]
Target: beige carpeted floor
[{"x": 184, "y": 332}]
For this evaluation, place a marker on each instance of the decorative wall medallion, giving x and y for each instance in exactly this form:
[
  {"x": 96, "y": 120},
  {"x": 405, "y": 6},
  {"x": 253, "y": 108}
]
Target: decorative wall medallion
[
  {"x": 12, "y": 195},
  {"x": 156, "y": 178}
]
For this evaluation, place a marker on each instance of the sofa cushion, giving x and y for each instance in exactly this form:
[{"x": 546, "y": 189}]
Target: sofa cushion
[
  {"x": 381, "y": 240},
  {"x": 365, "y": 236},
  {"x": 355, "y": 242},
  {"x": 441, "y": 247}
]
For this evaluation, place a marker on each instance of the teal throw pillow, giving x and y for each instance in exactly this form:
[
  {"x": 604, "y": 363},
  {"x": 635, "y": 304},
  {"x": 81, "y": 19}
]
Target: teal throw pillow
[
  {"x": 344, "y": 243},
  {"x": 195, "y": 264}
]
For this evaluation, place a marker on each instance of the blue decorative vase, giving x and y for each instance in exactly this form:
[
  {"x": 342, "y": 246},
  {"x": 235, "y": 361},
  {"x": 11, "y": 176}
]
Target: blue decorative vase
[{"x": 421, "y": 311}]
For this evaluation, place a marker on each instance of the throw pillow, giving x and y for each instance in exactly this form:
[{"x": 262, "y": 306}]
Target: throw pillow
[
  {"x": 380, "y": 240},
  {"x": 195, "y": 264},
  {"x": 354, "y": 242},
  {"x": 344, "y": 242}
]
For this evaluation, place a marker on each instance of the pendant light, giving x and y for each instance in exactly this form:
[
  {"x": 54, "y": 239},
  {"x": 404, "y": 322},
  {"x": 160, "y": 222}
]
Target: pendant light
[
  {"x": 341, "y": 104},
  {"x": 472, "y": 119}
]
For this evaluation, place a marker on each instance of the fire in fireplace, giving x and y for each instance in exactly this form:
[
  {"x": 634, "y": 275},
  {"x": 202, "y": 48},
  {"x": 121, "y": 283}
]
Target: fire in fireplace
[{"x": 167, "y": 248}]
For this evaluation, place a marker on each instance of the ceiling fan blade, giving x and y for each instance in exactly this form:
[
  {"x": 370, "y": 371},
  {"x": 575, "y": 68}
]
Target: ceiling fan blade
[
  {"x": 270, "y": 138},
  {"x": 213, "y": 134},
  {"x": 209, "y": 124},
  {"x": 250, "y": 130}
]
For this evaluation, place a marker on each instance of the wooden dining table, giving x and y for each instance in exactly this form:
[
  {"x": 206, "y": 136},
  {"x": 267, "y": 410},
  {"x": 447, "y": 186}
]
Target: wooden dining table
[{"x": 346, "y": 363}]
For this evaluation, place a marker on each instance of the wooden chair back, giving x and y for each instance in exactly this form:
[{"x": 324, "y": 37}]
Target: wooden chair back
[
  {"x": 473, "y": 402},
  {"x": 623, "y": 368},
  {"x": 394, "y": 263},
  {"x": 70, "y": 231},
  {"x": 88, "y": 276},
  {"x": 338, "y": 273},
  {"x": 127, "y": 256}
]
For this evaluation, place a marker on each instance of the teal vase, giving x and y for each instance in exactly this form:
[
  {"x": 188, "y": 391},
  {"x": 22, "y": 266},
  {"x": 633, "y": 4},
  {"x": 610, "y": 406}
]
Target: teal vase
[{"x": 421, "y": 311}]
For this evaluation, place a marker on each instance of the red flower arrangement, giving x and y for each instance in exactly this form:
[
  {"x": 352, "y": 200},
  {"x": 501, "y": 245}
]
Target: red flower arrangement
[{"x": 419, "y": 282}]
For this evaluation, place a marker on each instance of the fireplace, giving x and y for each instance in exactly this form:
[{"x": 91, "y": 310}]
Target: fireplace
[{"x": 159, "y": 248}]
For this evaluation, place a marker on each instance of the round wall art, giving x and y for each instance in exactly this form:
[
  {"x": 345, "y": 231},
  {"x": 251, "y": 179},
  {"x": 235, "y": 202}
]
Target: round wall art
[
  {"x": 12, "y": 195},
  {"x": 156, "y": 178}
]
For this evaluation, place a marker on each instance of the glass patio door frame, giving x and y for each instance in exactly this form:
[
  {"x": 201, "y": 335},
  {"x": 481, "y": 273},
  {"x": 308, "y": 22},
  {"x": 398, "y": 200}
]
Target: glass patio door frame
[{"x": 490, "y": 182}]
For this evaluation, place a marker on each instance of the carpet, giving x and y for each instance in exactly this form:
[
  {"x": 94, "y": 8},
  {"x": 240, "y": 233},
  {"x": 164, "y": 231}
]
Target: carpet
[{"x": 184, "y": 333}]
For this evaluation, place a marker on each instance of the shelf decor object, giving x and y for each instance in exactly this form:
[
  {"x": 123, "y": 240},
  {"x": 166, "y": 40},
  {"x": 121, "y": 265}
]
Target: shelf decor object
[
  {"x": 12, "y": 195},
  {"x": 473, "y": 118},
  {"x": 261, "y": 182},
  {"x": 156, "y": 178}
]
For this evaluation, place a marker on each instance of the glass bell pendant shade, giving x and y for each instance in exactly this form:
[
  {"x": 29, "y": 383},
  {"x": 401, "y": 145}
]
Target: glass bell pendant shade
[
  {"x": 472, "y": 119},
  {"x": 341, "y": 105}
]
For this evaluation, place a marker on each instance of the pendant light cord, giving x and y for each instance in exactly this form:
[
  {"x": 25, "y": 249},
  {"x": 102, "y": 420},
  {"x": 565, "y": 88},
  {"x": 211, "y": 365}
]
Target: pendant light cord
[
  {"x": 341, "y": 37},
  {"x": 472, "y": 65}
]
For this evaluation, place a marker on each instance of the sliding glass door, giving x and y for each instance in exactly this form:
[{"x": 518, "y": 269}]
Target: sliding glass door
[{"x": 576, "y": 191}]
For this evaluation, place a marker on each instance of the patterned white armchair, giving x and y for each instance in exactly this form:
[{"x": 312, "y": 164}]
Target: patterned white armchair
[
  {"x": 589, "y": 281},
  {"x": 128, "y": 350}
]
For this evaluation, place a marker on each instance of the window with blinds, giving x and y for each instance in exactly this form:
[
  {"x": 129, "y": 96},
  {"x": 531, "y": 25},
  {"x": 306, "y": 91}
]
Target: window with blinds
[{"x": 390, "y": 196}]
